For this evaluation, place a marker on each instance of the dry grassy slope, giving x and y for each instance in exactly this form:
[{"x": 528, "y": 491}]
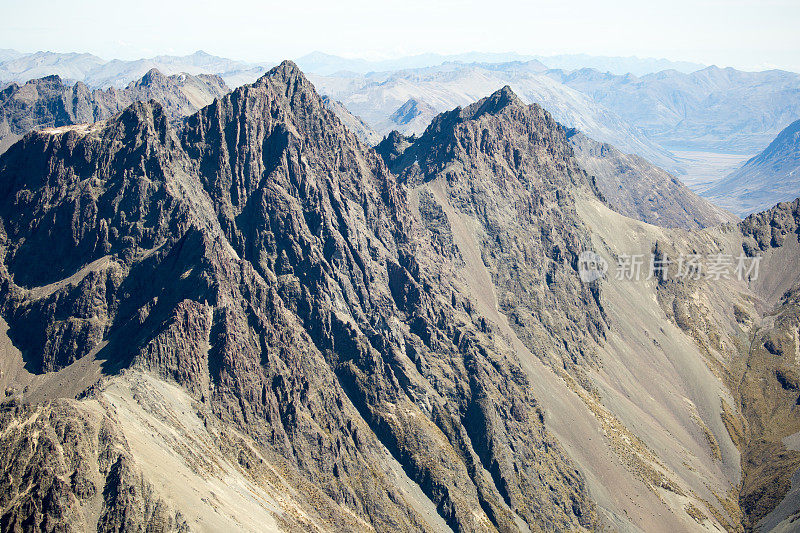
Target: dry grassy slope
[
  {"x": 654, "y": 377},
  {"x": 715, "y": 354},
  {"x": 770, "y": 392}
]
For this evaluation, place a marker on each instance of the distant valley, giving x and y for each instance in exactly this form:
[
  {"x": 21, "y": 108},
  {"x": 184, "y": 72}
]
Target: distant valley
[{"x": 770, "y": 177}]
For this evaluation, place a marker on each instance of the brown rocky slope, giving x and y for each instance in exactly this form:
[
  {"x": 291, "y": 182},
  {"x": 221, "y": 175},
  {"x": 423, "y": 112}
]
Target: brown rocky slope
[
  {"x": 643, "y": 191},
  {"x": 662, "y": 381}
]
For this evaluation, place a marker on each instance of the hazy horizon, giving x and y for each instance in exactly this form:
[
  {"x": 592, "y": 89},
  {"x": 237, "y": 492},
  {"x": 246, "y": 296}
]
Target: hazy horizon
[{"x": 744, "y": 34}]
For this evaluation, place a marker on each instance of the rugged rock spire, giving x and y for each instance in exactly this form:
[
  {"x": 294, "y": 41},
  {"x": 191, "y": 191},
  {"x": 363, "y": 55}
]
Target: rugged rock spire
[
  {"x": 494, "y": 104},
  {"x": 256, "y": 307}
]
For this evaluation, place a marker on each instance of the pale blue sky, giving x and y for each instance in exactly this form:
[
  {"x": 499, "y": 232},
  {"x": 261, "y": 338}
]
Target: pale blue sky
[{"x": 740, "y": 33}]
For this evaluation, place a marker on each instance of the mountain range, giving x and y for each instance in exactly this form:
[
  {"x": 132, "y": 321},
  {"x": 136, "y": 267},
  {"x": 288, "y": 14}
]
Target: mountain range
[
  {"x": 632, "y": 185},
  {"x": 713, "y": 109},
  {"x": 250, "y": 320},
  {"x": 408, "y": 100},
  {"x": 100, "y": 73},
  {"x": 665, "y": 106},
  {"x": 326, "y": 64},
  {"x": 49, "y": 103}
]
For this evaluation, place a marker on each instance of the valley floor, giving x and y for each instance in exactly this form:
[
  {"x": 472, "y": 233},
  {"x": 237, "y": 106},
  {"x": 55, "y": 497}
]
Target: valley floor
[{"x": 703, "y": 169}]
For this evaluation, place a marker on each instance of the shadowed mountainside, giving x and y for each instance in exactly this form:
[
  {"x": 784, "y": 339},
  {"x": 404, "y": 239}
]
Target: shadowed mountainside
[{"x": 265, "y": 261}]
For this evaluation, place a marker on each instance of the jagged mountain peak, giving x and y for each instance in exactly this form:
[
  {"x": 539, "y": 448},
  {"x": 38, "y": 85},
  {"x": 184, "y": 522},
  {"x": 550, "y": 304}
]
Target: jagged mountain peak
[
  {"x": 500, "y": 127},
  {"x": 358, "y": 337},
  {"x": 148, "y": 114},
  {"x": 271, "y": 236},
  {"x": 51, "y": 80},
  {"x": 287, "y": 72},
  {"x": 152, "y": 76},
  {"x": 497, "y": 105},
  {"x": 284, "y": 102},
  {"x": 289, "y": 82},
  {"x": 493, "y": 104},
  {"x": 392, "y": 146}
]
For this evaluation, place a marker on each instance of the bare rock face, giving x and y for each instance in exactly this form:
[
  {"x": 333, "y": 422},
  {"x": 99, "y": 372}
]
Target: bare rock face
[
  {"x": 767, "y": 384},
  {"x": 510, "y": 166},
  {"x": 337, "y": 330},
  {"x": 771, "y": 228},
  {"x": 48, "y": 103},
  {"x": 267, "y": 262},
  {"x": 770, "y": 395}
]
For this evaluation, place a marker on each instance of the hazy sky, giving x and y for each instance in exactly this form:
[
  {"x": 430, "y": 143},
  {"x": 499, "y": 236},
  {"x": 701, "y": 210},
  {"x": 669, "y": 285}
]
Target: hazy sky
[{"x": 740, "y": 33}]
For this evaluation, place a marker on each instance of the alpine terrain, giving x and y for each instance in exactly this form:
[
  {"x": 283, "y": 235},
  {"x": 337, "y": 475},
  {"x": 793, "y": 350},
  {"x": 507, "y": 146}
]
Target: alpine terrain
[{"x": 248, "y": 319}]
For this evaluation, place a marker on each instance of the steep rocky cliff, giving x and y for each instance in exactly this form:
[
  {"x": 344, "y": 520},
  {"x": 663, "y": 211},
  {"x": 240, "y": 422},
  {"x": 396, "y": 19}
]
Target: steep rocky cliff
[
  {"x": 628, "y": 348},
  {"x": 510, "y": 167}
]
